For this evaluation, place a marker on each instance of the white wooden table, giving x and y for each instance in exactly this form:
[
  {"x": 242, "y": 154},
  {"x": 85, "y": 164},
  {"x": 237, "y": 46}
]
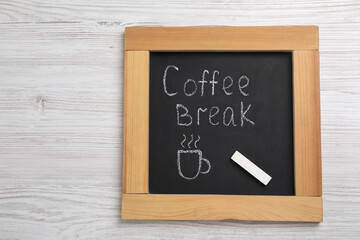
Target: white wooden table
[{"x": 61, "y": 110}]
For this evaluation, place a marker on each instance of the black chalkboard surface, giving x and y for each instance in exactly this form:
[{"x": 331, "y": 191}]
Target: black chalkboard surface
[{"x": 204, "y": 106}]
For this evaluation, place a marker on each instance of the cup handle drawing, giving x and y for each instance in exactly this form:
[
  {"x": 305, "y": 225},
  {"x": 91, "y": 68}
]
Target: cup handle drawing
[{"x": 209, "y": 166}]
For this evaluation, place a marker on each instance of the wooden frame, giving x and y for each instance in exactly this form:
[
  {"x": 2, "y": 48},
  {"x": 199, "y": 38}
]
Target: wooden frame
[{"x": 305, "y": 206}]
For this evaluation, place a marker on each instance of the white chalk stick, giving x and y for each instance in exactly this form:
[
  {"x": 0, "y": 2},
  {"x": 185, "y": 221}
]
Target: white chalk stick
[{"x": 251, "y": 168}]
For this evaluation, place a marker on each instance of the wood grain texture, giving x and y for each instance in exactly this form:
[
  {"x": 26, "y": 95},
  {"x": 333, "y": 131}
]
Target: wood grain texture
[
  {"x": 61, "y": 116},
  {"x": 222, "y": 38},
  {"x": 136, "y": 122},
  {"x": 221, "y": 207},
  {"x": 307, "y": 142}
]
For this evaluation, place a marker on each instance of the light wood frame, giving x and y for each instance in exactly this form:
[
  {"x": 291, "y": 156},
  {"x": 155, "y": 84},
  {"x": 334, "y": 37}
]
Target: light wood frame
[{"x": 305, "y": 206}]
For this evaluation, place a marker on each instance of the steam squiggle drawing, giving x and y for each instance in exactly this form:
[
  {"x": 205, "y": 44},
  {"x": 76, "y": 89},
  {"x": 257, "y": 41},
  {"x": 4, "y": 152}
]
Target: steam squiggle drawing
[
  {"x": 183, "y": 141},
  {"x": 192, "y": 138},
  {"x": 196, "y": 141}
]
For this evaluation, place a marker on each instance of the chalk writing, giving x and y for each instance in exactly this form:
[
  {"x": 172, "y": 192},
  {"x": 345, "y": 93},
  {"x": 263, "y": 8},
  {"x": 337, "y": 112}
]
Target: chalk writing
[
  {"x": 203, "y": 115},
  {"x": 183, "y": 115},
  {"x": 164, "y": 79},
  {"x": 211, "y": 115},
  {"x": 241, "y": 87},
  {"x": 227, "y": 86},
  {"x": 230, "y": 115},
  {"x": 213, "y": 82},
  {"x": 231, "y": 119},
  {"x": 190, "y": 86},
  {"x": 243, "y": 117},
  {"x": 195, "y": 87}
]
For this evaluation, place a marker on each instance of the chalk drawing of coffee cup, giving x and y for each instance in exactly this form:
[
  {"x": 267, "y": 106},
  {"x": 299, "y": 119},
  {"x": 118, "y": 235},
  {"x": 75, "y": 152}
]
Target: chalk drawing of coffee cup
[{"x": 190, "y": 162}]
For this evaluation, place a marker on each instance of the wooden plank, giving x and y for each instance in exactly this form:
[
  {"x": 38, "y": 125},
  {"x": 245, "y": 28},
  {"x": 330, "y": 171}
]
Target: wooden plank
[
  {"x": 307, "y": 142},
  {"x": 136, "y": 122},
  {"x": 222, "y": 38},
  {"x": 221, "y": 207}
]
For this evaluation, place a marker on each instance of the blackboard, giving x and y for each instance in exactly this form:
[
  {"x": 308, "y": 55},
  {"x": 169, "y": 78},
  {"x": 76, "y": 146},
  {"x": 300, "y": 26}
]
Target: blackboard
[{"x": 204, "y": 106}]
